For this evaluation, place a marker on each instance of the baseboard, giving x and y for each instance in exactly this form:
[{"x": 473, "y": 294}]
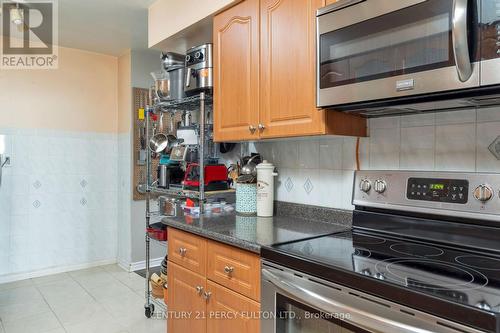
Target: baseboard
[
  {"x": 56, "y": 270},
  {"x": 135, "y": 266}
]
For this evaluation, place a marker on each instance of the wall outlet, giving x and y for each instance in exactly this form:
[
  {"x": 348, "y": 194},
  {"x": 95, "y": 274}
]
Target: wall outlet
[{"x": 495, "y": 148}]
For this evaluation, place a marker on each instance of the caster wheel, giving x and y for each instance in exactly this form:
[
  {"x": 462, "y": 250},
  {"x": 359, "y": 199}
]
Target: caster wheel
[{"x": 148, "y": 311}]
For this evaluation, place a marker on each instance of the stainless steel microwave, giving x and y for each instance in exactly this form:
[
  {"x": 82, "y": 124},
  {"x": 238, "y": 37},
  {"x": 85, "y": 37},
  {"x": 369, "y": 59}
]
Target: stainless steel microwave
[{"x": 383, "y": 56}]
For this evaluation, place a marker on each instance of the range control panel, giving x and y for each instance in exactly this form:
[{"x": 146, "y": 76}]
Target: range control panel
[
  {"x": 439, "y": 190},
  {"x": 462, "y": 195}
]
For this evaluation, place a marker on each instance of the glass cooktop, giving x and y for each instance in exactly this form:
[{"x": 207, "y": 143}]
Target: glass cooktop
[{"x": 467, "y": 278}]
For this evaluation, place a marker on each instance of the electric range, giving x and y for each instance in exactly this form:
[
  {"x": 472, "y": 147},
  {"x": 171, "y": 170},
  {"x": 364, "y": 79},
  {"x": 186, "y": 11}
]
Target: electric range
[{"x": 423, "y": 256}]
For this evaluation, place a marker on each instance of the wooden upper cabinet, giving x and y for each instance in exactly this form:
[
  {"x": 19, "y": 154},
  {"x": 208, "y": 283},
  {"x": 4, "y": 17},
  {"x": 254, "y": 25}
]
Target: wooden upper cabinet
[
  {"x": 236, "y": 72},
  {"x": 288, "y": 68},
  {"x": 184, "y": 298}
]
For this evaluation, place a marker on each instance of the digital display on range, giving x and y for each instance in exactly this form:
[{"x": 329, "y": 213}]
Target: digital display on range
[{"x": 438, "y": 190}]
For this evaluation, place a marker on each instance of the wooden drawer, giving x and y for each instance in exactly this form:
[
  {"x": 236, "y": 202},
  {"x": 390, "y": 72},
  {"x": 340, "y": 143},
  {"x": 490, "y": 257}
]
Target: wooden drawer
[
  {"x": 187, "y": 250},
  {"x": 235, "y": 269},
  {"x": 230, "y": 311}
]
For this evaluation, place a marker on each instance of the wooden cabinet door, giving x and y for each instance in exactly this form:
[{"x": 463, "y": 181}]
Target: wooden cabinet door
[
  {"x": 186, "y": 306},
  {"x": 230, "y": 311},
  {"x": 187, "y": 250},
  {"x": 236, "y": 72},
  {"x": 288, "y": 69}
]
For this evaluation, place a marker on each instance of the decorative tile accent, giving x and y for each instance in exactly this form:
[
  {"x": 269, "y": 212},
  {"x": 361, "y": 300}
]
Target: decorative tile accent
[
  {"x": 308, "y": 186},
  {"x": 37, "y": 184},
  {"x": 83, "y": 201},
  {"x": 495, "y": 148},
  {"x": 37, "y": 204},
  {"x": 289, "y": 184},
  {"x": 83, "y": 183}
]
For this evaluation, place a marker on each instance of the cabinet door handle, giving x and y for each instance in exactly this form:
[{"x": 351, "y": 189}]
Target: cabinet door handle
[
  {"x": 199, "y": 290},
  {"x": 252, "y": 129},
  {"x": 182, "y": 251},
  {"x": 207, "y": 295},
  {"x": 262, "y": 127},
  {"x": 228, "y": 270}
]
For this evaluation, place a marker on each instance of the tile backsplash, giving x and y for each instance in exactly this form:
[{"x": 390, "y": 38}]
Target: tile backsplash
[
  {"x": 319, "y": 170},
  {"x": 58, "y": 200}
]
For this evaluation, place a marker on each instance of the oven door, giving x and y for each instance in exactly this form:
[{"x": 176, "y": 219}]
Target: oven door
[
  {"x": 370, "y": 50},
  {"x": 293, "y": 302}
]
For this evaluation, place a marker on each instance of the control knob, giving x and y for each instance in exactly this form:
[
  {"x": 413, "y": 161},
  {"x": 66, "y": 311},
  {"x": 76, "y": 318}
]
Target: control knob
[
  {"x": 366, "y": 272},
  {"x": 483, "y": 306},
  {"x": 483, "y": 193},
  {"x": 198, "y": 55},
  {"x": 380, "y": 186},
  {"x": 365, "y": 185},
  {"x": 189, "y": 58},
  {"x": 380, "y": 276}
]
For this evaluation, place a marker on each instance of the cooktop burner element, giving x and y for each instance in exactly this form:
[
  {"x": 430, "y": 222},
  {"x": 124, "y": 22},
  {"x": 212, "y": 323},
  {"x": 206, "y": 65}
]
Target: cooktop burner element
[
  {"x": 479, "y": 262},
  {"x": 406, "y": 270},
  {"x": 418, "y": 250}
]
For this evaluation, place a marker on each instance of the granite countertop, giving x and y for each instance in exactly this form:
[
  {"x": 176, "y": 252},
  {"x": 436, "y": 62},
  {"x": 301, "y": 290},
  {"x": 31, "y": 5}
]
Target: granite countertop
[{"x": 251, "y": 232}]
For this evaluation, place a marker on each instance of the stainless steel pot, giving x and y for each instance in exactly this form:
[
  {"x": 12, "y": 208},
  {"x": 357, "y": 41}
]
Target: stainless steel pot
[{"x": 159, "y": 141}]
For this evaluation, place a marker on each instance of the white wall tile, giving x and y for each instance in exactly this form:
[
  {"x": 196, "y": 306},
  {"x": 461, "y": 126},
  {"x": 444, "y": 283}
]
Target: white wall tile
[
  {"x": 384, "y": 149},
  {"x": 384, "y": 122},
  {"x": 486, "y": 133},
  {"x": 417, "y": 148},
  {"x": 308, "y": 154},
  {"x": 488, "y": 114},
  {"x": 417, "y": 120},
  {"x": 456, "y": 117},
  {"x": 456, "y": 147},
  {"x": 349, "y": 154},
  {"x": 330, "y": 153},
  {"x": 330, "y": 188}
]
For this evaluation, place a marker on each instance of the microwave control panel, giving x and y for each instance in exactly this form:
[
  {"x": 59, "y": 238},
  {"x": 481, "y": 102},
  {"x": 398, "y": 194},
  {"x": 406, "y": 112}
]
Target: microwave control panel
[{"x": 439, "y": 190}]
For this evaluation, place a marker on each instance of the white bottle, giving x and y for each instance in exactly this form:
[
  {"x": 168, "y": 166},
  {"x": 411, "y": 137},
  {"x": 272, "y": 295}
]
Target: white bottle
[{"x": 265, "y": 189}]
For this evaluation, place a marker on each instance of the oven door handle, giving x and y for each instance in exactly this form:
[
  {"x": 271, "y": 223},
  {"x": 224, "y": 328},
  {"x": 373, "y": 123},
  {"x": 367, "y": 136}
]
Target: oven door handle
[
  {"x": 358, "y": 317},
  {"x": 460, "y": 39}
]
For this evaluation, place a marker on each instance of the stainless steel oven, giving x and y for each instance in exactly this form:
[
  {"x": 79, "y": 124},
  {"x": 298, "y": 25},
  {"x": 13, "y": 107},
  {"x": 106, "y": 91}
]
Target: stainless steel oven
[
  {"x": 370, "y": 50},
  {"x": 294, "y": 302}
]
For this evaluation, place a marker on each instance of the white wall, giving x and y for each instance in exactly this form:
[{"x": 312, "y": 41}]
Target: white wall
[
  {"x": 319, "y": 171},
  {"x": 58, "y": 199}
]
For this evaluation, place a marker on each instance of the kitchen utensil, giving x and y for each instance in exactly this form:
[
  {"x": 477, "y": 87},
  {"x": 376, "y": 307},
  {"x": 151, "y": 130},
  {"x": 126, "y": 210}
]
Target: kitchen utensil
[
  {"x": 159, "y": 141},
  {"x": 246, "y": 198},
  {"x": 265, "y": 189},
  {"x": 215, "y": 177},
  {"x": 173, "y": 63},
  {"x": 199, "y": 69},
  {"x": 246, "y": 179},
  {"x": 167, "y": 206},
  {"x": 250, "y": 168},
  {"x": 162, "y": 85},
  {"x": 162, "y": 176},
  {"x": 178, "y": 153}
]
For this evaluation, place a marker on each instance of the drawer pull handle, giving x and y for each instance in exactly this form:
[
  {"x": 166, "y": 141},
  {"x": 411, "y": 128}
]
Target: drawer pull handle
[
  {"x": 199, "y": 290},
  {"x": 207, "y": 295},
  {"x": 182, "y": 251},
  {"x": 228, "y": 270},
  {"x": 252, "y": 129}
]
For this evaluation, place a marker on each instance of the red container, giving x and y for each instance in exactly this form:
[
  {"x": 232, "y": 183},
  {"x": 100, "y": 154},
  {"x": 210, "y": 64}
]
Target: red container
[{"x": 157, "y": 233}]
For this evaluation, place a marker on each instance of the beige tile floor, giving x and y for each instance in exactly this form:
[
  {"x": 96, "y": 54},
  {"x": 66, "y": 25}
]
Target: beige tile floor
[{"x": 103, "y": 299}]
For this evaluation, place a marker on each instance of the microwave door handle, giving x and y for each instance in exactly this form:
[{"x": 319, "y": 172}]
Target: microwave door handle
[
  {"x": 460, "y": 40},
  {"x": 358, "y": 317}
]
